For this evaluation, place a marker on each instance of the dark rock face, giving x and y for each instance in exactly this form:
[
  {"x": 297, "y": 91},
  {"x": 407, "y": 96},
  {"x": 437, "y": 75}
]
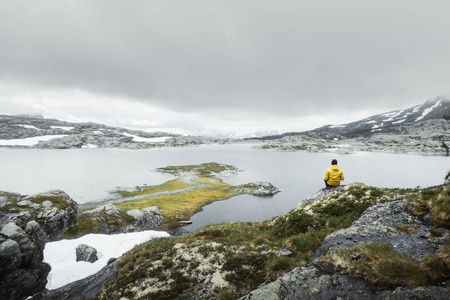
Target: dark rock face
[
  {"x": 86, "y": 253},
  {"x": 26, "y": 224},
  {"x": 311, "y": 283},
  {"x": 83, "y": 288}
]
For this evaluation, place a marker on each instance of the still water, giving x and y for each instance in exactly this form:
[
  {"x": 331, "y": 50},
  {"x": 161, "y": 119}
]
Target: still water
[{"x": 89, "y": 175}]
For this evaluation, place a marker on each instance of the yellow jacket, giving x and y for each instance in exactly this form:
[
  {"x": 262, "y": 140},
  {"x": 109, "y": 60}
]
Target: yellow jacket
[{"x": 334, "y": 175}]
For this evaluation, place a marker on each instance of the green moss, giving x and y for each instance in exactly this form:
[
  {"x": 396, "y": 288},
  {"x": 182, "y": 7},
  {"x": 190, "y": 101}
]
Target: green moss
[
  {"x": 435, "y": 233},
  {"x": 96, "y": 223},
  {"x": 308, "y": 241},
  {"x": 378, "y": 264},
  {"x": 434, "y": 201},
  {"x": 403, "y": 228},
  {"x": 281, "y": 263},
  {"x": 246, "y": 270}
]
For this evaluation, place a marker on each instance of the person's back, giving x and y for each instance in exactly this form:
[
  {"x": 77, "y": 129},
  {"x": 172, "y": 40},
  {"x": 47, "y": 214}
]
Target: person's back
[{"x": 333, "y": 175}]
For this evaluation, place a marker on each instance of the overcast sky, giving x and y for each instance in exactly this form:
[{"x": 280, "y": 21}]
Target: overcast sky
[{"x": 210, "y": 66}]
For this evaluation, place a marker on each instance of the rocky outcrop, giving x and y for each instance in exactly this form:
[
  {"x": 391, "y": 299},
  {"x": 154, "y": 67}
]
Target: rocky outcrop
[
  {"x": 312, "y": 283},
  {"x": 26, "y": 224},
  {"x": 87, "y": 253},
  {"x": 109, "y": 219},
  {"x": 258, "y": 189},
  {"x": 388, "y": 224},
  {"x": 378, "y": 224}
]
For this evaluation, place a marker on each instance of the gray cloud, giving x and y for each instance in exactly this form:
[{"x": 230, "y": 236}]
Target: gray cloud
[{"x": 282, "y": 57}]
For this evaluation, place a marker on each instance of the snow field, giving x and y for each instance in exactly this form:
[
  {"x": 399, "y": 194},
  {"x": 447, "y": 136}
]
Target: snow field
[{"x": 62, "y": 258}]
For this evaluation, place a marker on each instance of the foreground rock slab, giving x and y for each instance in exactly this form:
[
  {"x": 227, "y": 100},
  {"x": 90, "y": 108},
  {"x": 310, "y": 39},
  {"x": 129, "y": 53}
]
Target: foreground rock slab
[
  {"x": 314, "y": 284},
  {"x": 26, "y": 224}
]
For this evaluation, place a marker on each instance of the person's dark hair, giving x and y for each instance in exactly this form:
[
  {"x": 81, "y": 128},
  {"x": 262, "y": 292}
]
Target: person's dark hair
[{"x": 334, "y": 162}]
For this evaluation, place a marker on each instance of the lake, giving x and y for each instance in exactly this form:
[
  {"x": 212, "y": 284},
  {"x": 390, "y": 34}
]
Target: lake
[{"x": 89, "y": 175}]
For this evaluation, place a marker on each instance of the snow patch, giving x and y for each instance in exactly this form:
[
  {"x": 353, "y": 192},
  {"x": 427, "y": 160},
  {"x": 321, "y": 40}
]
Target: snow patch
[
  {"x": 147, "y": 140},
  {"x": 400, "y": 121},
  {"x": 67, "y": 128},
  {"x": 62, "y": 258},
  {"x": 33, "y": 141},
  {"x": 29, "y": 127},
  {"x": 337, "y": 126},
  {"x": 428, "y": 110},
  {"x": 89, "y": 146}
]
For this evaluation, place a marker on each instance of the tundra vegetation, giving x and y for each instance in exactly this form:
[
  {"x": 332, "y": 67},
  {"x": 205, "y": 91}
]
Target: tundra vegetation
[{"x": 227, "y": 261}]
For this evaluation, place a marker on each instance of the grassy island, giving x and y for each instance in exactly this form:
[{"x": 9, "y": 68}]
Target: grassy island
[{"x": 177, "y": 199}]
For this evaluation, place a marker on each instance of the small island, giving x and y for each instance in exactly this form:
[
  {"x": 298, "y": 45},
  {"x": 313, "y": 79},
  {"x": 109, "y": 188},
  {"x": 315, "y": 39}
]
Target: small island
[{"x": 165, "y": 206}]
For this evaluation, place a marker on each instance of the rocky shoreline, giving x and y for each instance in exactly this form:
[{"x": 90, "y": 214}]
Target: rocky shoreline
[
  {"x": 429, "y": 138},
  {"x": 339, "y": 242}
]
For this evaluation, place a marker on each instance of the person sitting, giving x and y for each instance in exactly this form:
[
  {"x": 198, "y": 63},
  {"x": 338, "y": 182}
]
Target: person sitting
[{"x": 333, "y": 175}]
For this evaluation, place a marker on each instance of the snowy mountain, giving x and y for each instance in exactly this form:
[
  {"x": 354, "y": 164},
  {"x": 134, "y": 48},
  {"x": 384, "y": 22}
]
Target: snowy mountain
[{"x": 391, "y": 122}]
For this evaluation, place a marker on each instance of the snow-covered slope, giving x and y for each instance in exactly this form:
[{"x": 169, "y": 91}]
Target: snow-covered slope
[{"x": 437, "y": 108}]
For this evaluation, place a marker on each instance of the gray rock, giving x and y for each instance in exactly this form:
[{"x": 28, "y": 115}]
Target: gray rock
[
  {"x": 86, "y": 253},
  {"x": 25, "y": 227},
  {"x": 377, "y": 224},
  {"x": 47, "y": 203},
  {"x": 280, "y": 252},
  {"x": 147, "y": 218},
  {"x": 129, "y": 189},
  {"x": 109, "y": 219},
  {"x": 4, "y": 202},
  {"x": 312, "y": 284},
  {"x": 258, "y": 189},
  {"x": 10, "y": 256},
  {"x": 13, "y": 231}
]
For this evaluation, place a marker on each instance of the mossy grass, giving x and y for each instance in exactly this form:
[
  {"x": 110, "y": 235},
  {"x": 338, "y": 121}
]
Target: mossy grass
[
  {"x": 434, "y": 201},
  {"x": 380, "y": 264},
  {"x": 339, "y": 211},
  {"x": 88, "y": 223},
  {"x": 181, "y": 205},
  {"x": 168, "y": 186}
]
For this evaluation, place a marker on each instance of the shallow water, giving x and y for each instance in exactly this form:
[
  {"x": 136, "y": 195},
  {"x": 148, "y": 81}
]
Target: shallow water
[{"x": 89, "y": 175}]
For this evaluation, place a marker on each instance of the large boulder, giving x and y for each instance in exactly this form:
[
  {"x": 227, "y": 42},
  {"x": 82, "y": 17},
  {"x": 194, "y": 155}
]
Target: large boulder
[
  {"x": 26, "y": 224},
  {"x": 86, "y": 253}
]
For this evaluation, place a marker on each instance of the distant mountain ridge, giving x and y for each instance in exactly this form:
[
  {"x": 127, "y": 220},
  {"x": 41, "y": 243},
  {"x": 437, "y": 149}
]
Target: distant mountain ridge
[
  {"x": 74, "y": 135},
  {"x": 389, "y": 122}
]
